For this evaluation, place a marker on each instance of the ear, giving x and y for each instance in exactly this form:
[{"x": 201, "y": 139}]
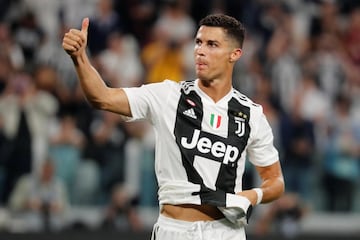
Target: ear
[{"x": 235, "y": 55}]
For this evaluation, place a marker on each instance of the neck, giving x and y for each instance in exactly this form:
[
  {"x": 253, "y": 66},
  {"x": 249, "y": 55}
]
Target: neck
[{"x": 215, "y": 89}]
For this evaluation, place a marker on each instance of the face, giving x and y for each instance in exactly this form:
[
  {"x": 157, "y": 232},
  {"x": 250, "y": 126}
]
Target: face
[
  {"x": 47, "y": 172},
  {"x": 215, "y": 53}
]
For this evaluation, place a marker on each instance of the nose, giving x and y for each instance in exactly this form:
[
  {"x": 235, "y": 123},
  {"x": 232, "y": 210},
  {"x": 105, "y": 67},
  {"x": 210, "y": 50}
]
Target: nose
[{"x": 199, "y": 50}]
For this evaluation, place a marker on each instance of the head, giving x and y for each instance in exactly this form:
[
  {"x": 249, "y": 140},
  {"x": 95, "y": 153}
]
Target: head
[
  {"x": 47, "y": 171},
  {"x": 21, "y": 83},
  {"x": 218, "y": 45}
]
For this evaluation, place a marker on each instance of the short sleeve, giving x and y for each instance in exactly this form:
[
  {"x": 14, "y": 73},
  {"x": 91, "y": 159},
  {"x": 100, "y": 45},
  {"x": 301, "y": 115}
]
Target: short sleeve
[
  {"x": 139, "y": 102},
  {"x": 148, "y": 100},
  {"x": 261, "y": 149}
]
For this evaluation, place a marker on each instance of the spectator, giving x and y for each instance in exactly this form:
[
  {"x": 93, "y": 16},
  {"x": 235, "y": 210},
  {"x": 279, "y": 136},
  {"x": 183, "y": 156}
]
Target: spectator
[
  {"x": 122, "y": 50},
  {"x": 40, "y": 200},
  {"x": 138, "y": 15},
  {"x": 6, "y": 69},
  {"x": 105, "y": 22},
  {"x": 107, "y": 149},
  {"x": 282, "y": 67},
  {"x": 66, "y": 144},
  {"x": 25, "y": 110},
  {"x": 298, "y": 140},
  {"x": 139, "y": 166},
  {"x": 46, "y": 15},
  {"x": 341, "y": 161},
  {"x": 164, "y": 57},
  {"x": 330, "y": 69},
  {"x": 10, "y": 48},
  {"x": 121, "y": 213},
  {"x": 74, "y": 10},
  {"x": 351, "y": 63},
  {"x": 29, "y": 35}
]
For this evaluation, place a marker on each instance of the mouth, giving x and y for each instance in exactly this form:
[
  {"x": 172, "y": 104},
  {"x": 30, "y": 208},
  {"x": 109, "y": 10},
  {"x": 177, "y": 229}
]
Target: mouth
[{"x": 200, "y": 65}]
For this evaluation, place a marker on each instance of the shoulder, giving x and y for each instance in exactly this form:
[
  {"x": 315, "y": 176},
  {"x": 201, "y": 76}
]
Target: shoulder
[
  {"x": 167, "y": 83},
  {"x": 152, "y": 93},
  {"x": 25, "y": 181},
  {"x": 246, "y": 101},
  {"x": 152, "y": 89},
  {"x": 247, "y": 106},
  {"x": 167, "y": 86},
  {"x": 187, "y": 86}
]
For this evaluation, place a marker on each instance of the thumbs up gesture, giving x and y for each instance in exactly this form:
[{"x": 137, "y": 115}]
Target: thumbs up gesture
[{"x": 75, "y": 41}]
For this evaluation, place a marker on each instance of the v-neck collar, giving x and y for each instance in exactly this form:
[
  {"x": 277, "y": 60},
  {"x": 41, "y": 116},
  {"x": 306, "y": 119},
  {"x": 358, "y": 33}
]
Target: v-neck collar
[{"x": 203, "y": 95}]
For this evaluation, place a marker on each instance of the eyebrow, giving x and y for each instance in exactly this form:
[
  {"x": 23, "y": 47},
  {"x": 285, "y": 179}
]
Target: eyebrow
[
  {"x": 213, "y": 41},
  {"x": 207, "y": 41}
]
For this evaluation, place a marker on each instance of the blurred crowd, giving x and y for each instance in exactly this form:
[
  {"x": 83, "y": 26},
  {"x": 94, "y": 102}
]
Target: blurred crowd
[{"x": 301, "y": 61}]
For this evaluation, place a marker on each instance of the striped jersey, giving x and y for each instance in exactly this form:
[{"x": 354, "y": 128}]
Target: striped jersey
[{"x": 202, "y": 145}]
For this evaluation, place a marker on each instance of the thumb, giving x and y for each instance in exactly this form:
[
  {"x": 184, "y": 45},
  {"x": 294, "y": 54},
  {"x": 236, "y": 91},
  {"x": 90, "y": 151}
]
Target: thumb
[{"x": 85, "y": 25}]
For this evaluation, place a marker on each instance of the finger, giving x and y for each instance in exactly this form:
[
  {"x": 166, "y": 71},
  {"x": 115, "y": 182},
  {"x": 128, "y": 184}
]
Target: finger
[
  {"x": 68, "y": 47},
  {"x": 72, "y": 43},
  {"x": 76, "y": 36},
  {"x": 72, "y": 40},
  {"x": 85, "y": 25}
]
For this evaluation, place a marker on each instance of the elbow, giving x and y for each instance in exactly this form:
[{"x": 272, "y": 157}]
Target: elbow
[
  {"x": 282, "y": 190},
  {"x": 278, "y": 189},
  {"x": 102, "y": 105},
  {"x": 96, "y": 103},
  {"x": 281, "y": 187},
  {"x": 101, "y": 100}
]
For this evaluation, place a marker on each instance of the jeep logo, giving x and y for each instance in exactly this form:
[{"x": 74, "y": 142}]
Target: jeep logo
[{"x": 205, "y": 145}]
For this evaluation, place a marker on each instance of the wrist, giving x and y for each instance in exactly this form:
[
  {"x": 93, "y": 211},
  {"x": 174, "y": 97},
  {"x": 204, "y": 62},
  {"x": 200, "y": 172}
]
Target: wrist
[
  {"x": 80, "y": 58},
  {"x": 259, "y": 192}
]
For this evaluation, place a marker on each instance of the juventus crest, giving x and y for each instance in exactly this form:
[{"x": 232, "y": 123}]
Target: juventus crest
[{"x": 240, "y": 131}]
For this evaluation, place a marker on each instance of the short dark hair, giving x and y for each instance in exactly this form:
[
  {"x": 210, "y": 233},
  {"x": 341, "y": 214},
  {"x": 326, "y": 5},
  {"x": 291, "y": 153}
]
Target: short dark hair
[{"x": 232, "y": 26}]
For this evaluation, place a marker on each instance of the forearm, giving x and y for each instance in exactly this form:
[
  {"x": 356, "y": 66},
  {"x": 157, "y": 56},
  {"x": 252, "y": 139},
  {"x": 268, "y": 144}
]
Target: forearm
[
  {"x": 96, "y": 92},
  {"x": 272, "y": 185},
  {"x": 272, "y": 182},
  {"x": 272, "y": 189},
  {"x": 92, "y": 84}
]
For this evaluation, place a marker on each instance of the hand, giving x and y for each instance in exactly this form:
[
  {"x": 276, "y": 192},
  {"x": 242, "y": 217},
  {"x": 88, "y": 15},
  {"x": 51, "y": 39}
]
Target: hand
[
  {"x": 75, "y": 41},
  {"x": 238, "y": 209}
]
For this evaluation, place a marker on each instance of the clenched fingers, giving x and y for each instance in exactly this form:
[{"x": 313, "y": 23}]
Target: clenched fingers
[{"x": 74, "y": 40}]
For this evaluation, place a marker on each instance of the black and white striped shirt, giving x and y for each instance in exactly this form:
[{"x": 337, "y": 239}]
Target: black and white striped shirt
[{"x": 202, "y": 146}]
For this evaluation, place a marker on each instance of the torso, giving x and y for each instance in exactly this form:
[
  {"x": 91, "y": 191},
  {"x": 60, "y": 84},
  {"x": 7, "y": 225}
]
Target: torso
[
  {"x": 201, "y": 145},
  {"x": 192, "y": 212}
]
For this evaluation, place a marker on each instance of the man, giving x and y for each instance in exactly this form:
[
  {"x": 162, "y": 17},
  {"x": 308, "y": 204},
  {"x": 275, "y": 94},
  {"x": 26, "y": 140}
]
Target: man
[
  {"x": 204, "y": 129},
  {"x": 40, "y": 200}
]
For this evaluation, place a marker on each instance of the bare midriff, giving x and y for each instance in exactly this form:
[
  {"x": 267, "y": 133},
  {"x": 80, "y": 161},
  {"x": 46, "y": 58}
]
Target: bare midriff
[{"x": 192, "y": 212}]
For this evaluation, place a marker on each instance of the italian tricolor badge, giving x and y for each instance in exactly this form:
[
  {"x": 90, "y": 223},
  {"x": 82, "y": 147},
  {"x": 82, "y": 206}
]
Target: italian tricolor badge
[{"x": 215, "y": 121}]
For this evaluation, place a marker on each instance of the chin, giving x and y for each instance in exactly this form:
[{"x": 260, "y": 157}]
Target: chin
[{"x": 202, "y": 77}]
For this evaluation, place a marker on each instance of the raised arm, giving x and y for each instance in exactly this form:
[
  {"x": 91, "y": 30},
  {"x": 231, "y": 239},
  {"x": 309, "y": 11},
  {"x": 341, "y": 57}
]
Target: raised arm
[{"x": 96, "y": 92}]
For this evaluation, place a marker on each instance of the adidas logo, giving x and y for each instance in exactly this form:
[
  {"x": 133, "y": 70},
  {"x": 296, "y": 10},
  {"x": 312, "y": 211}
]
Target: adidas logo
[{"x": 190, "y": 113}]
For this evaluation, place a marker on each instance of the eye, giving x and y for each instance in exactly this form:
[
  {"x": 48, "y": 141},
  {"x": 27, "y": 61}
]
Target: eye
[
  {"x": 198, "y": 42},
  {"x": 212, "y": 44}
]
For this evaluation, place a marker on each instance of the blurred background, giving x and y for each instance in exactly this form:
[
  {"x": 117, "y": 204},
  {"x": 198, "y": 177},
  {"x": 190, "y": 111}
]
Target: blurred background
[{"x": 67, "y": 170}]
